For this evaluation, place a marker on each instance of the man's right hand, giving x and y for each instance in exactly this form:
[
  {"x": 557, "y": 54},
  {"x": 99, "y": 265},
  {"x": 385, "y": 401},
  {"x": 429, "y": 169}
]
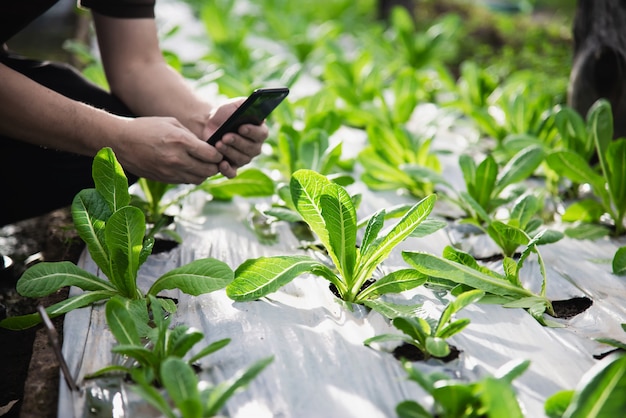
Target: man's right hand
[{"x": 162, "y": 149}]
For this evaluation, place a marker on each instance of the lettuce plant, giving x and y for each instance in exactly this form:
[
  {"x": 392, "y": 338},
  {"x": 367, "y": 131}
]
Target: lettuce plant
[
  {"x": 115, "y": 235},
  {"x": 356, "y": 81},
  {"x": 418, "y": 48},
  {"x": 329, "y": 211},
  {"x": 574, "y": 132},
  {"x": 487, "y": 182},
  {"x": 230, "y": 52},
  {"x": 506, "y": 109},
  {"x": 521, "y": 226},
  {"x": 250, "y": 182},
  {"x": 130, "y": 323},
  {"x": 161, "y": 362},
  {"x": 189, "y": 397},
  {"x": 600, "y": 393},
  {"x": 486, "y": 187},
  {"x": 472, "y": 90},
  {"x": 306, "y": 149},
  {"x": 395, "y": 160},
  {"x": 377, "y": 86},
  {"x": 459, "y": 271},
  {"x": 492, "y": 396},
  {"x": 608, "y": 186},
  {"x": 427, "y": 335}
]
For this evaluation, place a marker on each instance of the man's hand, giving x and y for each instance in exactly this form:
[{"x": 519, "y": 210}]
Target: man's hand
[
  {"x": 162, "y": 149},
  {"x": 238, "y": 148}
]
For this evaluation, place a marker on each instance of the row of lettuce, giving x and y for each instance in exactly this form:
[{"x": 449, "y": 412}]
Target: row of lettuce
[
  {"x": 372, "y": 76},
  {"x": 162, "y": 364}
]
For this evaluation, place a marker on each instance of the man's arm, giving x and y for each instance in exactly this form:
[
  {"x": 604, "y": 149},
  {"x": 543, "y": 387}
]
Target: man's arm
[
  {"x": 159, "y": 148},
  {"x": 140, "y": 77},
  {"x": 33, "y": 113}
]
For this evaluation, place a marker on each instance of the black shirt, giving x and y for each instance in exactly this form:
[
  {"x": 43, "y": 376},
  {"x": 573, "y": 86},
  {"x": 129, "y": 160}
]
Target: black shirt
[{"x": 15, "y": 15}]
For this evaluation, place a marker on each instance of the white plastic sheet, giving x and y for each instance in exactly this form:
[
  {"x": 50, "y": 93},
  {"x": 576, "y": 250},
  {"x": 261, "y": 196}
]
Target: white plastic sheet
[{"x": 321, "y": 366}]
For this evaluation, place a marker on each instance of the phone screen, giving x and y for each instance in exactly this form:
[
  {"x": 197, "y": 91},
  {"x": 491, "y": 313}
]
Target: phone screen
[{"x": 254, "y": 110}]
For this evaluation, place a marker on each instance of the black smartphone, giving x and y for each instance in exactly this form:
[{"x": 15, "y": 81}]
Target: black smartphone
[{"x": 254, "y": 110}]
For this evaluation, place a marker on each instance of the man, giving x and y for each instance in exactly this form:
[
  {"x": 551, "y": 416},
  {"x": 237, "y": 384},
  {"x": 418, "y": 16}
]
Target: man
[{"x": 52, "y": 121}]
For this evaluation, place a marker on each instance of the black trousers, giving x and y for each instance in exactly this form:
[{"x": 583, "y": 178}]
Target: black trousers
[{"x": 36, "y": 180}]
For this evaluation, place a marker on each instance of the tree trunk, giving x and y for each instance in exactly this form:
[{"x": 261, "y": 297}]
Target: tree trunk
[{"x": 599, "y": 68}]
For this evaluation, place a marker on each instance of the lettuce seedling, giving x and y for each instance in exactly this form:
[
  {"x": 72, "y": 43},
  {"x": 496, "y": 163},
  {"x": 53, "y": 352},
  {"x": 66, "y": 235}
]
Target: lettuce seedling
[
  {"x": 161, "y": 362},
  {"x": 486, "y": 182},
  {"x": 392, "y": 155},
  {"x": 192, "y": 397},
  {"x": 485, "y": 185},
  {"x": 459, "y": 270},
  {"x": 608, "y": 186},
  {"x": 427, "y": 335},
  {"x": 575, "y": 133},
  {"x": 488, "y": 187},
  {"x": 249, "y": 182},
  {"x": 129, "y": 323},
  {"x": 419, "y": 48},
  {"x": 492, "y": 396},
  {"x": 521, "y": 227},
  {"x": 308, "y": 146},
  {"x": 308, "y": 149},
  {"x": 600, "y": 393},
  {"x": 329, "y": 211},
  {"x": 504, "y": 109},
  {"x": 114, "y": 233}
]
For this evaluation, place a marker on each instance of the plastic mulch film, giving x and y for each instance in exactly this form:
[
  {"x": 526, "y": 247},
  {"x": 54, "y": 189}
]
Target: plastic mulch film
[{"x": 321, "y": 367}]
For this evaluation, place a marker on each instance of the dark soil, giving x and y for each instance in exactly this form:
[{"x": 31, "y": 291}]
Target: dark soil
[
  {"x": 367, "y": 284},
  {"x": 570, "y": 307},
  {"x": 29, "y": 381},
  {"x": 163, "y": 245},
  {"x": 607, "y": 353},
  {"x": 410, "y": 352}
]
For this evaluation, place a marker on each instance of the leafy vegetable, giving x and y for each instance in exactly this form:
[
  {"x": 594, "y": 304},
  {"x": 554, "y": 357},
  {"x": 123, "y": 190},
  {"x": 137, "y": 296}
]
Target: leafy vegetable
[
  {"x": 392, "y": 158},
  {"x": 162, "y": 363},
  {"x": 429, "y": 339},
  {"x": 521, "y": 227},
  {"x": 114, "y": 233},
  {"x": 608, "y": 186},
  {"x": 600, "y": 393},
  {"x": 486, "y": 182},
  {"x": 128, "y": 320},
  {"x": 457, "y": 268},
  {"x": 503, "y": 108},
  {"x": 492, "y": 396},
  {"x": 193, "y": 397},
  {"x": 329, "y": 211}
]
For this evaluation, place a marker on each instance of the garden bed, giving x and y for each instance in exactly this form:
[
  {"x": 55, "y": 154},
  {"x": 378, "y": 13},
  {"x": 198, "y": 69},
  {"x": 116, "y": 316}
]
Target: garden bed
[{"x": 321, "y": 367}]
